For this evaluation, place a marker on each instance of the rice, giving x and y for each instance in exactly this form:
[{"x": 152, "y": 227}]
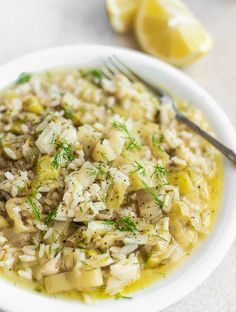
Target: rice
[{"x": 98, "y": 182}]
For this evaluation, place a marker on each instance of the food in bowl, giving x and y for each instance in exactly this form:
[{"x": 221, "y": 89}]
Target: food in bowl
[{"x": 102, "y": 190}]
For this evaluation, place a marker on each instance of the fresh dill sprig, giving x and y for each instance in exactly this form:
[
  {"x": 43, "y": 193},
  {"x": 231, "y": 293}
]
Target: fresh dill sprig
[
  {"x": 124, "y": 224},
  {"x": 132, "y": 142},
  {"x": 157, "y": 141},
  {"x": 160, "y": 173},
  {"x": 99, "y": 170},
  {"x": 96, "y": 73},
  {"x": 138, "y": 168},
  {"x": 92, "y": 171},
  {"x": 23, "y": 78},
  {"x": 31, "y": 201},
  {"x": 110, "y": 222},
  {"x": 104, "y": 156},
  {"x": 120, "y": 127},
  {"x": 68, "y": 112},
  {"x": 51, "y": 216},
  {"x": 102, "y": 171},
  {"x": 109, "y": 177},
  {"x": 64, "y": 152},
  {"x": 154, "y": 195}
]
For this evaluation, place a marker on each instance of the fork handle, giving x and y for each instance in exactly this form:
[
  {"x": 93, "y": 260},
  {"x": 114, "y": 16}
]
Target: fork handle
[{"x": 221, "y": 147}]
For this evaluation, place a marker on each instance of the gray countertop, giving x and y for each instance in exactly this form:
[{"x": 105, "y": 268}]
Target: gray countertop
[{"x": 27, "y": 25}]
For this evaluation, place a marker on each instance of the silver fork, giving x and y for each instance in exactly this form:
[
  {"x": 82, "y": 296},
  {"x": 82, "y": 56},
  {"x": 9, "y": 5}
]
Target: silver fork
[{"x": 114, "y": 65}]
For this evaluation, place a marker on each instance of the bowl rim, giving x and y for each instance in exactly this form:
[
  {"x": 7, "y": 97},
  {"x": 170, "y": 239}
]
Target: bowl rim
[{"x": 211, "y": 251}]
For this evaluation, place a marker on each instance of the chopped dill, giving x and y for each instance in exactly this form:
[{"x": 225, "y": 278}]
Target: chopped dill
[
  {"x": 138, "y": 168},
  {"x": 64, "y": 152},
  {"x": 68, "y": 112},
  {"x": 132, "y": 142},
  {"x": 157, "y": 141},
  {"x": 120, "y": 296},
  {"x": 51, "y": 216},
  {"x": 104, "y": 156},
  {"x": 102, "y": 171},
  {"x": 120, "y": 127},
  {"x": 160, "y": 173},
  {"x": 34, "y": 207},
  {"x": 23, "y": 78},
  {"x": 96, "y": 73},
  {"x": 154, "y": 195},
  {"x": 99, "y": 170},
  {"x": 92, "y": 171},
  {"x": 109, "y": 177},
  {"x": 124, "y": 224},
  {"x": 39, "y": 288},
  {"x": 110, "y": 222}
]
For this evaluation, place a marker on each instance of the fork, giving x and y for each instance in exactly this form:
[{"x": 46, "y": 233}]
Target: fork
[{"x": 113, "y": 65}]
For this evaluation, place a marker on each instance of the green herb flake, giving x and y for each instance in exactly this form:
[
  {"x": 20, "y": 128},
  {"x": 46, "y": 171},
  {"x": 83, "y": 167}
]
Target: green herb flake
[
  {"x": 99, "y": 170},
  {"x": 68, "y": 112},
  {"x": 154, "y": 195},
  {"x": 132, "y": 142},
  {"x": 138, "y": 168},
  {"x": 64, "y": 152},
  {"x": 120, "y": 296},
  {"x": 120, "y": 127},
  {"x": 158, "y": 141},
  {"x": 96, "y": 73},
  {"x": 104, "y": 156},
  {"x": 124, "y": 224},
  {"x": 38, "y": 288},
  {"x": 110, "y": 222},
  {"x": 109, "y": 177},
  {"x": 51, "y": 216},
  {"x": 34, "y": 207},
  {"x": 160, "y": 173},
  {"x": 23, "y": 78}
]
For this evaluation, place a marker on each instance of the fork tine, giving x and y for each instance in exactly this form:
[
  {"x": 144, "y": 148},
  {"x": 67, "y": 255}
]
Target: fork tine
[
  {"x": 138, "y": 78},
  {"x": 135, "y": 76},
  {"x": 110, "y": 67},
  {"x": 124, "y": 69},
  {"x": 106, "y": 72},
  {"x": 120, "y": 69}
]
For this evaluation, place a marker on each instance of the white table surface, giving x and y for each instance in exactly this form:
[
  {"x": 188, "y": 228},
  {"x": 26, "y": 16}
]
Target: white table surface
[{"x": 27, "y": 25}]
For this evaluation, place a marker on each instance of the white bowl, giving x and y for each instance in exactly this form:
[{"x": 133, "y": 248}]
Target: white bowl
[{"x": 208, "y": 255}]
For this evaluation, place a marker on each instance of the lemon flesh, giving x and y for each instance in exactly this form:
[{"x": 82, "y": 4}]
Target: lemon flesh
[
  {"x": 167, "y": 29},
  {"x": 121, "y": 14}
]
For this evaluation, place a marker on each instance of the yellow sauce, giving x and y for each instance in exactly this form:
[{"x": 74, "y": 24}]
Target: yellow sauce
[{"x": 148, "y": 276}]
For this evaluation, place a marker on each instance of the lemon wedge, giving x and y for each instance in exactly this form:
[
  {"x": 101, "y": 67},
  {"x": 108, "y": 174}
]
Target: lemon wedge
[
  {"x": 167, "y": 29},
  {"x": 121, "y": 14}
]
